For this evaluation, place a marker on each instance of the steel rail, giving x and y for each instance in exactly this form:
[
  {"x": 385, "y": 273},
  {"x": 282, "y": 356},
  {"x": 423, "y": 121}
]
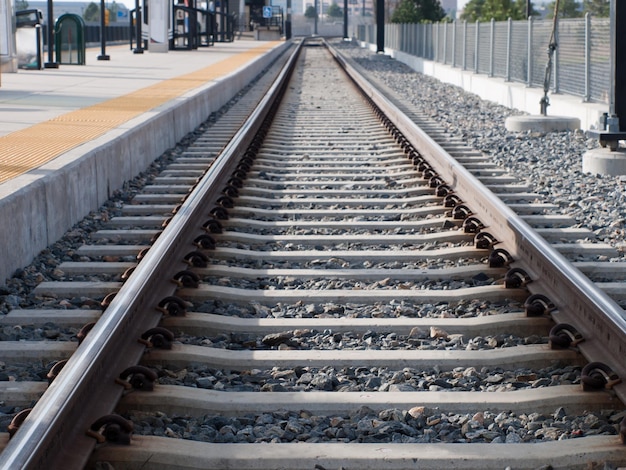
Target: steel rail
[
  {"x": 600, "y": 320},
  {"x": 54, "y": 433}
]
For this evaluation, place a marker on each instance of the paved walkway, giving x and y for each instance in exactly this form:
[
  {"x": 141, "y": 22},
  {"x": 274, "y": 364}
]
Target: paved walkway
[
  {"x": 32, "y": 96},
  {"x": 45, "y": 113}
]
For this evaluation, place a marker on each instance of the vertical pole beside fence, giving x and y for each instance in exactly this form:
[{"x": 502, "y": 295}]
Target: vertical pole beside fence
[
  {"x": 410, "y": 43},
  {"x": 492, "y": 46},
  {"x": 477, "y": 37},
  {"x": 529, "y": 58},
  {"x": 465, "y": 45},
  {"x": 345, "y": 18},
  {"x": 436, "y": 43},
  {"x": 612, "y": 128},
  {"x": 509, "y": 35},
  {"x": 380, "y": 25},
  {"x": 396, "y": 37},
  {"x": 288, "y": 22},
  {"x": 454, "y": 43},
  {"x": 555, "y": 70},
  {"x": 618, "y": 70},
  {"x": 587, "y": 95},
  {"x": 445, "y": 43},
  {"x": 406, "y": 38}
]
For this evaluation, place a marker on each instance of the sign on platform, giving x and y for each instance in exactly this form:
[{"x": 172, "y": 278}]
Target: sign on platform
[{"x": 267, "y": 12}]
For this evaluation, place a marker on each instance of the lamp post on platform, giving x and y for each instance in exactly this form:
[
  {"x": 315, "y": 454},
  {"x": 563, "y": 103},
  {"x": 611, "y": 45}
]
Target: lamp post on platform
[
  {"x": 51, "y": 64},
  {"x": 103, "y": 55},
  {"x": 288, "y": 21},
  {"x": 138, "y": 49},
  {"x": 380, "y": 26},
  {"x": 345, "y": 20}
]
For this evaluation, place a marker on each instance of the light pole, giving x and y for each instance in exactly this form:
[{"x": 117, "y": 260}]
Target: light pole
[
  {"x": 138, "y": 49},
  {"x": 103, "y": 55},
  {"x": 288, "y": 21},
  {"x": 345, "y": 20},
  {"x": 380, "y": 26},
  {"x": 51, "y": 64}
]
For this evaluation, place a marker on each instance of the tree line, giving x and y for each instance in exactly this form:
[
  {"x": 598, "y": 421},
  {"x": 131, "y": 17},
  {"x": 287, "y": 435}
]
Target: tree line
[{"x": 427, "y": 11}]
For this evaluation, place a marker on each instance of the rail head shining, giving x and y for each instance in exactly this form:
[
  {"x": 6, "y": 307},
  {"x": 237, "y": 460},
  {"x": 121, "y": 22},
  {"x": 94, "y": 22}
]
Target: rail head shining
[
  {"x": 53, "y": 434},
  {"x": 578, "y": 300}
]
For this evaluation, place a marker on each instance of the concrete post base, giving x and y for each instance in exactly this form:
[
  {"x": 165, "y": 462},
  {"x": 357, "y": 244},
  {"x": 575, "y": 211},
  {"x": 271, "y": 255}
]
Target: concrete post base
[
  {"x": 541, "y": 124},
  {"x": 602, "y": 161}
]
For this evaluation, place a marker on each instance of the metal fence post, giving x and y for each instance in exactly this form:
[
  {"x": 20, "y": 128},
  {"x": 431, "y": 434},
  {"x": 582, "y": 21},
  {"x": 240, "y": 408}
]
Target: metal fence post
[
  {"x": 492, "y": 46},
  {"x": 529, "y": 59},
  {"x": 465, "y": 45},
  {"x": 436, "y": 44},
  {"x": 395, "y": 37},
  {"x": 415, "y": 39},
  {"x": 408, "y": 45},
  {"x": 405, "y": 38},
  {"x": 509, "y": 35},
  {"x": 587, "y": 95},
  {"x": 454, "y": 43},
  {"x": 476, "y": 47},
  {"x": 445, "y": 43}
]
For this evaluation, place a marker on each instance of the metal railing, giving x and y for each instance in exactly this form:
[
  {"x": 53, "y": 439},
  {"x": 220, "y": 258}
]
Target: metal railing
[
  {"x": 118, "y": 33},
  {"x": 516, "y": 51}
]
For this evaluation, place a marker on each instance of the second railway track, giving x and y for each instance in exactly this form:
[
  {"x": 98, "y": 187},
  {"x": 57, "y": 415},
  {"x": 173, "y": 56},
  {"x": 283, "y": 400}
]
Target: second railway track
[{"x": 345, "y": 298}]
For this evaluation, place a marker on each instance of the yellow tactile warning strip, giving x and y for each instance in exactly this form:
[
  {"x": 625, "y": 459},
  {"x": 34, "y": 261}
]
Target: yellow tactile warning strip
[{"x": 26, "y": 149}]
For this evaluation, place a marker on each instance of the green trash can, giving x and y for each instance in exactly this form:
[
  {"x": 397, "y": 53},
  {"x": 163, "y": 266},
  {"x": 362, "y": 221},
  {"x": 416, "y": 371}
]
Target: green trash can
[{"x": 69, "y": 39}]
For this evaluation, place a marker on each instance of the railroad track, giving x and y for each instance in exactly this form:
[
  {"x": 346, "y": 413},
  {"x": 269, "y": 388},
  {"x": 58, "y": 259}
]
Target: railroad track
[{"x": 350, "y": 285}]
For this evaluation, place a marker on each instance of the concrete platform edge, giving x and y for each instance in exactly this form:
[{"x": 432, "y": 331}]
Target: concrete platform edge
[{"x": 37, "y": 208}]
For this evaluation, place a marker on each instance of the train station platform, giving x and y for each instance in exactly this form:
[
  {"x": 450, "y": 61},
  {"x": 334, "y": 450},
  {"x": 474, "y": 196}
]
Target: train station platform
[{"x": 71, "y": 136}]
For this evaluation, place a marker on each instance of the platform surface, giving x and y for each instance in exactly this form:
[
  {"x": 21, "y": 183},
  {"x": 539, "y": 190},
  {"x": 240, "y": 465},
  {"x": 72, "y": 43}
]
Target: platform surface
[
  {"x": 41, "y": 103},
  {"x": 29, "y": 97}
]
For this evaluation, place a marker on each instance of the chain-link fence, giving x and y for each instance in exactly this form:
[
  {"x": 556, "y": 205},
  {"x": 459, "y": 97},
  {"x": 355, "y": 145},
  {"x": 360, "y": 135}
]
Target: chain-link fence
[{"x": 516, "y": 51}]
